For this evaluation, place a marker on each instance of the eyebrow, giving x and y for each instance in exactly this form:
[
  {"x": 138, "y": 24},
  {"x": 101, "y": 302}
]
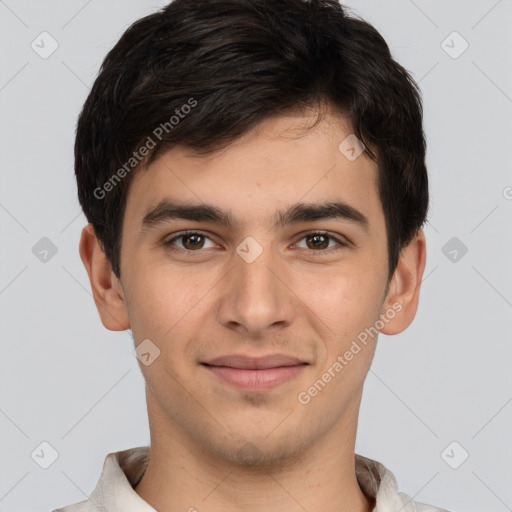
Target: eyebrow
[{"x": 299, "y": 212}]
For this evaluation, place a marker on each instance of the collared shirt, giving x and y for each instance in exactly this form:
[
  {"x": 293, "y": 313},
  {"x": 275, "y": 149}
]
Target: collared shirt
[{"x": 123, "y": 470}]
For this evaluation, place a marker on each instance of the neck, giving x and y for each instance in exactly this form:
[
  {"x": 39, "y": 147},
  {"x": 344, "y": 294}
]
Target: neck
[{"x": 184, "y": 476}]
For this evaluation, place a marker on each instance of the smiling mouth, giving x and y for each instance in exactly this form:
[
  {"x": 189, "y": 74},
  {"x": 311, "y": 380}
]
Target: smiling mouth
[{"x": 256, "y": 379}]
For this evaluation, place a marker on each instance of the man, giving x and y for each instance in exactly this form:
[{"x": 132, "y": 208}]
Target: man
[{"x": 253, "y": 173}]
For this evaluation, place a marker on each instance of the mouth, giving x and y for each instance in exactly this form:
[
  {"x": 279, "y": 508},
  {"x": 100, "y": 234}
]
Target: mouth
[{"x": 251, "y": 373}]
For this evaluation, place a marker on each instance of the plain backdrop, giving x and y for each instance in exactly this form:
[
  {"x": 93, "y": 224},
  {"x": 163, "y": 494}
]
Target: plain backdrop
[{"x": 436, "y": 394}]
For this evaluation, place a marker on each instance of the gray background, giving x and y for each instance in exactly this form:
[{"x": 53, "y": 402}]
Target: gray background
[{"x": 69, "y": 382}]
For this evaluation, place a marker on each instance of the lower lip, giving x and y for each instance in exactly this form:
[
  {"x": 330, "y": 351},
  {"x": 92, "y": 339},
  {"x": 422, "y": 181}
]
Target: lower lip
[{"x": 256, "y": 379}]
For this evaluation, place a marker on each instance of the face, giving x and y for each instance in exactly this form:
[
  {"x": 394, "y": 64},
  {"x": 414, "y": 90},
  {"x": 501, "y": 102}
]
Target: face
[{"x": 298, "y": 288}]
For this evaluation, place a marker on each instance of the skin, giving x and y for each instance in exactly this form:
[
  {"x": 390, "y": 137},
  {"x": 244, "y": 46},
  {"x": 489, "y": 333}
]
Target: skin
[{"x": 216, "y": 447}]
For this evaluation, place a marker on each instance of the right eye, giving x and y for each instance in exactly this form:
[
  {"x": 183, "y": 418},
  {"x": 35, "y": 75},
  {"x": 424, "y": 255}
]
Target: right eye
[{"x": 191, "y": 241}]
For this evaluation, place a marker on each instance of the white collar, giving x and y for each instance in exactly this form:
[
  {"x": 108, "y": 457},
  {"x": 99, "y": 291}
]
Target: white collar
[{"x": 123, "y": 470}]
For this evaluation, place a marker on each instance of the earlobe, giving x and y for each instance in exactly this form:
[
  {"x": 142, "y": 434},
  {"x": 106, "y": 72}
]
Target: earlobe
[
  {"x": 404, "y": 289},
  {"x": 106, "y": 288}
]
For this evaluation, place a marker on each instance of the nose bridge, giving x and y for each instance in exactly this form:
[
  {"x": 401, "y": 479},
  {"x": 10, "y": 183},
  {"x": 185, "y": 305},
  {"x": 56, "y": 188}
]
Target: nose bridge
[
  {"x": 252, "y": 267},
  {"x": 255, "y": 298}
]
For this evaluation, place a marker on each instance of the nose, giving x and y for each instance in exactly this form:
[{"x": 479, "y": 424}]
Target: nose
[{"x": 256, "y": 297}]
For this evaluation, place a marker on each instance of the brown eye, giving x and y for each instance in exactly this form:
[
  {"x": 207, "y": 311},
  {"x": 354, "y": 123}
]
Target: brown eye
[
  {"x": 193, "y": 241},
  {"x": 319, "y": 242},
  {"x": 190, "y": 241}
]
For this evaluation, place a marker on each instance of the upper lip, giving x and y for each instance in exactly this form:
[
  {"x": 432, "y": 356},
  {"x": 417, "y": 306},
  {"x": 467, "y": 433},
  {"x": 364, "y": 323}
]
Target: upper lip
[{"x": 255, "y": 363}]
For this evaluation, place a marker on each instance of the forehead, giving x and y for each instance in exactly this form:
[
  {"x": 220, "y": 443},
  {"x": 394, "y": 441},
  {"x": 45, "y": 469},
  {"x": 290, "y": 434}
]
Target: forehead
[{"x": 280, "y": 162}]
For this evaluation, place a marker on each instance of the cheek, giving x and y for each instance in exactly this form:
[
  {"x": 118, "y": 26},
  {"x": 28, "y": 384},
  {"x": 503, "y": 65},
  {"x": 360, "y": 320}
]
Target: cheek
[
  {"x": 158, "y": 300},
  {"x": 168, "y": 299},
  {"x": 345, "y": 299},
  {"x": 349, "y": 306}
]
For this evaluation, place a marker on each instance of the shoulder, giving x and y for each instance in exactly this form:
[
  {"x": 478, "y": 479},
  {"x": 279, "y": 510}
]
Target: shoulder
[
  {"x": 378, "y": 482},
  {"x": 82, "y": 506},
  {"x": 423, "y": 507},
  {"x": 114, "y": 489},
  {"x": 404, "y": 502}
]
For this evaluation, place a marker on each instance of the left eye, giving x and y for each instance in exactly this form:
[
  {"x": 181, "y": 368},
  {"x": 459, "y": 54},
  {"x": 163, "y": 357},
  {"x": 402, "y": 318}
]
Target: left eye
[{"x": 320, "y": 240}]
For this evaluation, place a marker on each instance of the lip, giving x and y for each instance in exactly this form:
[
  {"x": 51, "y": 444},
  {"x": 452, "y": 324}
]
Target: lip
[
  {"x": 242, "y": 361},
  {"x": 251, "y": 373}
]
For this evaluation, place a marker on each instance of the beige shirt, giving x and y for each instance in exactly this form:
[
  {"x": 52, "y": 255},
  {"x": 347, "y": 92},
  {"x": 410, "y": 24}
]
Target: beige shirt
[{"x": 123, "y": 470}]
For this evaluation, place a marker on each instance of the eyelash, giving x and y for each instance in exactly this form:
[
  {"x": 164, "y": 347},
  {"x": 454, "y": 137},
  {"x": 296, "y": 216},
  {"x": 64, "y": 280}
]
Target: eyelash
[{"x": 169, "y": 243}]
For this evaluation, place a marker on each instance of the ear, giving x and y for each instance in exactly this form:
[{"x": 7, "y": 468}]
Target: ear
[
  {"x": 404, "y": 288},
  {"x": 106, "y": 288}
]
